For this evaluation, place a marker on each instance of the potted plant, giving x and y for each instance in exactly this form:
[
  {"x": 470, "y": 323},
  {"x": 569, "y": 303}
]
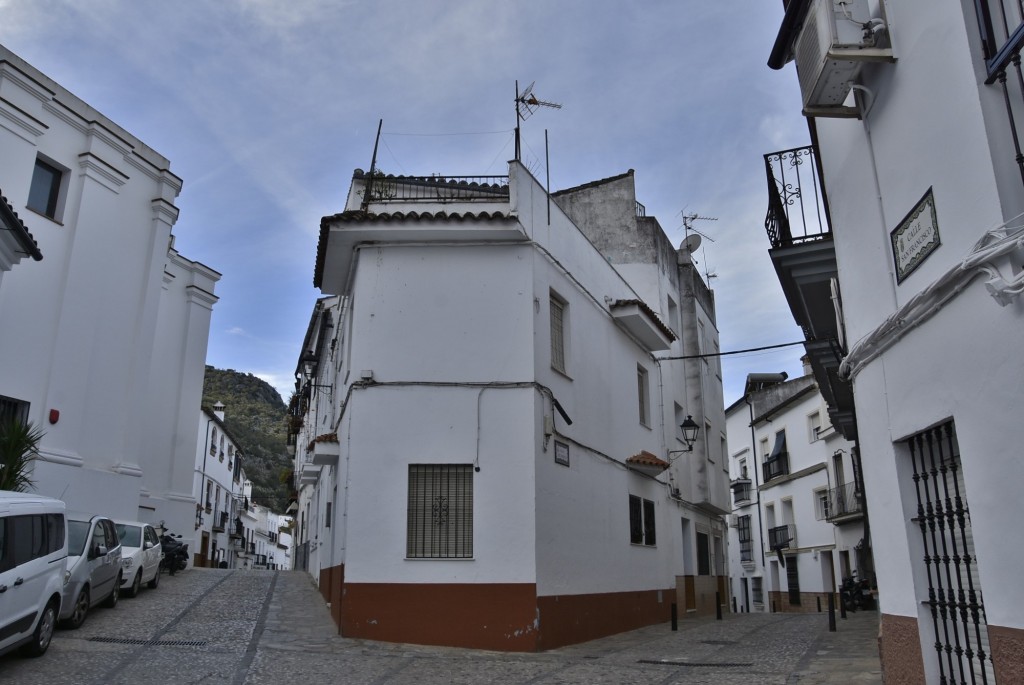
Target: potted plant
[{"x": 19, "y": 446}]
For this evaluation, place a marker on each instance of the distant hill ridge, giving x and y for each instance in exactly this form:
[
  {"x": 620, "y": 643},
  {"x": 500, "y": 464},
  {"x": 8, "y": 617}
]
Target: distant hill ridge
[{"x": 255, "y": 415}]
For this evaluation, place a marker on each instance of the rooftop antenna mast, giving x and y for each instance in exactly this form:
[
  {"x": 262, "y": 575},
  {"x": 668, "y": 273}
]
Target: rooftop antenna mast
[
  {"x": 692, "y": 242},
  {"x": 526, "y": 104}
]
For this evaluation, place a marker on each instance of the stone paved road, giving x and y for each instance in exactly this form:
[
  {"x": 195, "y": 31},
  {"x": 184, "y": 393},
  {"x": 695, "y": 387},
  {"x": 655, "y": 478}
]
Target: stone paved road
[{"x": 258, "y": 627}]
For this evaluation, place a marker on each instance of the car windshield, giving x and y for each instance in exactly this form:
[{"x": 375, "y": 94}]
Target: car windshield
[
  {"x": 131, "y": 536},
  {"x": 78, "y": 533}
]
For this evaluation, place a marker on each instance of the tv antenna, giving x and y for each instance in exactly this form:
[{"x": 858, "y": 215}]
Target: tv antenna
[
  {"x": 526, "y": 104},
  {"x": 688, "y": 220},
  {"x": 692, "y": 242}
]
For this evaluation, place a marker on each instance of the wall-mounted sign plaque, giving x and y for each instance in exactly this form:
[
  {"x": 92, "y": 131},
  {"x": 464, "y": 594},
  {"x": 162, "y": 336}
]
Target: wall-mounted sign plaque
[
  {"x": 561, "y": 453},
  {"x": 916, "y": 237}
]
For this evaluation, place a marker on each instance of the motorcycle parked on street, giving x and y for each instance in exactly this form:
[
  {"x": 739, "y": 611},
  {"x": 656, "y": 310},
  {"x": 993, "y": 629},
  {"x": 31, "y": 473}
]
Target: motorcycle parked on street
[
  {"x": 855, "y": 594},
  {"x": 175, "y": 553}
]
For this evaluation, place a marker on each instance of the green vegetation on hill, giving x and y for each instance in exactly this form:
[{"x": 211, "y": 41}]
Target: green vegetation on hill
[{"x": 255, "y": 415}]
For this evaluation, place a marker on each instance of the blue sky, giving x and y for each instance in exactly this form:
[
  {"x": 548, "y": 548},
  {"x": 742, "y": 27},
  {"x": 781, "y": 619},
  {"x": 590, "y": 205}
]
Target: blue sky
[{"x": 265, "y": 107}]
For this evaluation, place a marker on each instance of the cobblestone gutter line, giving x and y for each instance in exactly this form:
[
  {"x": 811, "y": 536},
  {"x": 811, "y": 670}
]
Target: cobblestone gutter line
[
  {"x": 111, "y": 675},
  {"x": 242, "y": 670}
]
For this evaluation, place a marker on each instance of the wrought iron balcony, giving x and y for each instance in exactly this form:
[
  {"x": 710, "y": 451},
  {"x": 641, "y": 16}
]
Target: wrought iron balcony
[
  {"x": 782, "y": 537},
  {"x": 844, "y": 503},
  {"x": 741, "y": 490},
  {"x": 1002, "y": 39},
  {"x": 774, "y": 468},
  {"x": 220, "y": 521},
  {"x": 797, "y": 208}
]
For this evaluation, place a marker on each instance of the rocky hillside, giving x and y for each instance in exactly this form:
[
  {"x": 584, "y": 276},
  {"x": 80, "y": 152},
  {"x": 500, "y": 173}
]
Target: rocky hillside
[{"x": 255, "y": 415}]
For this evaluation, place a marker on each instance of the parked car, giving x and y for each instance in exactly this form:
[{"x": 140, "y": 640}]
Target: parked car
[
  {"x": 33, "y": 558},
  {"x": 94, "y": 567},
  {"x": 140, "y": 556}
]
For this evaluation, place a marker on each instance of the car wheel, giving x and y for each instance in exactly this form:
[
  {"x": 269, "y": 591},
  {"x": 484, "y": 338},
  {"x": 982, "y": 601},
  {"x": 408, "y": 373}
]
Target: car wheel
[
  {"x": 156, "y": 580},
  {"x": 115, "y": 594},
  {"x": 133, "y": 590},
  {"x": 77, "y": 617},
  {"x": 43, "y": 632}
]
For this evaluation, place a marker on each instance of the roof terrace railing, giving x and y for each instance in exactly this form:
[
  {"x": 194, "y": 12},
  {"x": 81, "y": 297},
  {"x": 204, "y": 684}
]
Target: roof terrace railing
[
  {"x": 1001, "y": 23},
  {"x": 797, "y": 206},
  {"x": 436, "y": 188}
]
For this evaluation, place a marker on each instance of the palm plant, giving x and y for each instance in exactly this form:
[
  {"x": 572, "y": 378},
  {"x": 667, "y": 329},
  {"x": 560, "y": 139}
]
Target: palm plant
[{"x": 19, "y": 446}]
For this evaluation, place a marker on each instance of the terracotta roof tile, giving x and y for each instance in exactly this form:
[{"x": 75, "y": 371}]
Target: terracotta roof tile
[
  {"x": 645, "y": 458},
  {"x": 11, "y": 220}
]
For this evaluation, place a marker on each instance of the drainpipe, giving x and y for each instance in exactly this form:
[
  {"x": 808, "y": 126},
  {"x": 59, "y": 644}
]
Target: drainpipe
[{"x": 757, "y": 488}]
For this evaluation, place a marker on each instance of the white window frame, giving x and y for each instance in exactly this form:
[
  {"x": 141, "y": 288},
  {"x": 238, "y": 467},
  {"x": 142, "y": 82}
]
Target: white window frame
[{"x": 559, "y": 322}]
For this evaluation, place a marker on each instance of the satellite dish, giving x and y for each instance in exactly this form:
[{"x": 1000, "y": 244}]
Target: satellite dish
[
  {"x": 691, "y": 243},
  {"x": 525, "y": 95}
]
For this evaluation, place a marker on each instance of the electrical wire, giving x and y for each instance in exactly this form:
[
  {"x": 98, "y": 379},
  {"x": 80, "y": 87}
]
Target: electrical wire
[
  {"x": 726, "y": 354},
  {"x": 438, "y": 135}
]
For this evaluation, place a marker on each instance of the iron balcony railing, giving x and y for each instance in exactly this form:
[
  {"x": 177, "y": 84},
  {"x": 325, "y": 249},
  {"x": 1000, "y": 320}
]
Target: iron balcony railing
[
  {"x": 782, "y": 537},
  {"x": 1001, "y": 23},
  {"x": 238, "y": 531},
  {"x": 843, "y": 501},
  {"x": 797, "y": 206},
  {"x": 436, "y": 188},
  {"x": 776, "y": 466},
  {"x": 220, "y": 521},
  {"x": 740, "y": 491}
]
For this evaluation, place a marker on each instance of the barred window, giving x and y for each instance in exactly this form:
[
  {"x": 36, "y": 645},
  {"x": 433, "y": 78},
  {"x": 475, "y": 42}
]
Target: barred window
[
  {"x": 745, "y": 539},
  {"x": 440, "y": 512}
]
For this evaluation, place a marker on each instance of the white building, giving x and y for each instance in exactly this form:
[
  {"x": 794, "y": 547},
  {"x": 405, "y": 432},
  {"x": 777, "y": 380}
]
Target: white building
[
  {"x": 915, "y": 118},
  {"x": 267, "y": 537},
  {"x": 218, "y": 492},
  {"x": 796, "y": 499},
  {"x": 488, "y": 416},
  {"x": 104, "y": 340}
]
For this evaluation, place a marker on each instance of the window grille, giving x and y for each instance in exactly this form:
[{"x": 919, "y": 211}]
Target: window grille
[
  {"x": 954, "y": 588},
  {"x": 745, "y": 540},
  {"x": 440, "y": 511},
  {"x": 793, "y": 580},
  {"x": 12, "y": 409}
]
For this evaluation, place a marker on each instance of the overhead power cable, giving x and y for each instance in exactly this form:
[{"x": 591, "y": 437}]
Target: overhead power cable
[{"x": 725, "y": 354}]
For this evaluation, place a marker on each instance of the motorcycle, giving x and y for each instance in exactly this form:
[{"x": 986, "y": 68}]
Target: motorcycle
[
  {"x": 855, "y": 594},
  {"x": 175, "y": 553}
]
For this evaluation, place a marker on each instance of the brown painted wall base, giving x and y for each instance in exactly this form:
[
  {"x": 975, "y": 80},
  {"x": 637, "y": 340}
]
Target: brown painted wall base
[
  {"x": 1007, "y": 646},
  {"x": 808, "y": 602},
  {"x": 569, "y": 619},
  {"x": 899, "y": 646},
  {"x": 500, "y": 616},
  {"x": 332, "y": 581}
]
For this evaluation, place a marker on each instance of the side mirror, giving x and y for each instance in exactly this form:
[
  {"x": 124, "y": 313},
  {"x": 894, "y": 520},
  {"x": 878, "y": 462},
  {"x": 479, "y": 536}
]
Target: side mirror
[
  {"x": 98, "y": 551},
  {"x": 147, "y": 545}
]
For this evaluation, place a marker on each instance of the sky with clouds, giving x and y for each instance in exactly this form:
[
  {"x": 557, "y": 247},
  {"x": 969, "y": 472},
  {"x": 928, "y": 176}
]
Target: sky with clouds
[{"x": 265, "y": 107}]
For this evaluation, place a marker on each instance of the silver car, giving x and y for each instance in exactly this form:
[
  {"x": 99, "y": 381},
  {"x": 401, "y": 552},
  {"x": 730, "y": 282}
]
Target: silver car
[{"x": 94, "y": 567}]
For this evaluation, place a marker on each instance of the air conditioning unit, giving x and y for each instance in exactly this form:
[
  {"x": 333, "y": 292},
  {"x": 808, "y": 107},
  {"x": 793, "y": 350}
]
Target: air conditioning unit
[{"x": 837, "y": 38}]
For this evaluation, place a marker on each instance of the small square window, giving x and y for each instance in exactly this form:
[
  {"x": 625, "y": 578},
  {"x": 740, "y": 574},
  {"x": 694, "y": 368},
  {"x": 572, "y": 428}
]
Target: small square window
[{"x": 45, "y": 189}]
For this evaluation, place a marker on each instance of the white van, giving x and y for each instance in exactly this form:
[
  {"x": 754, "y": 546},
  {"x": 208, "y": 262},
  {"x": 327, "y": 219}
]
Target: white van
[{"x": 33, "y": 560}]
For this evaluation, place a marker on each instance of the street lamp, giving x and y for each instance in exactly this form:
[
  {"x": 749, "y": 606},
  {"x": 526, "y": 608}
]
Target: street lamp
[{"x": 690, "y": 430}]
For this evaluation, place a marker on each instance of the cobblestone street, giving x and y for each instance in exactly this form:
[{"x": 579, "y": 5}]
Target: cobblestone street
[{"x": 220, "y": 626}]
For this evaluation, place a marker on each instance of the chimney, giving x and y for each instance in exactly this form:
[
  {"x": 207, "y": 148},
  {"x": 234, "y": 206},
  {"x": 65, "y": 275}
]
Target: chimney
[
  {"x": 806, "y": 361},
  {"x": 218, "y": 411}
]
